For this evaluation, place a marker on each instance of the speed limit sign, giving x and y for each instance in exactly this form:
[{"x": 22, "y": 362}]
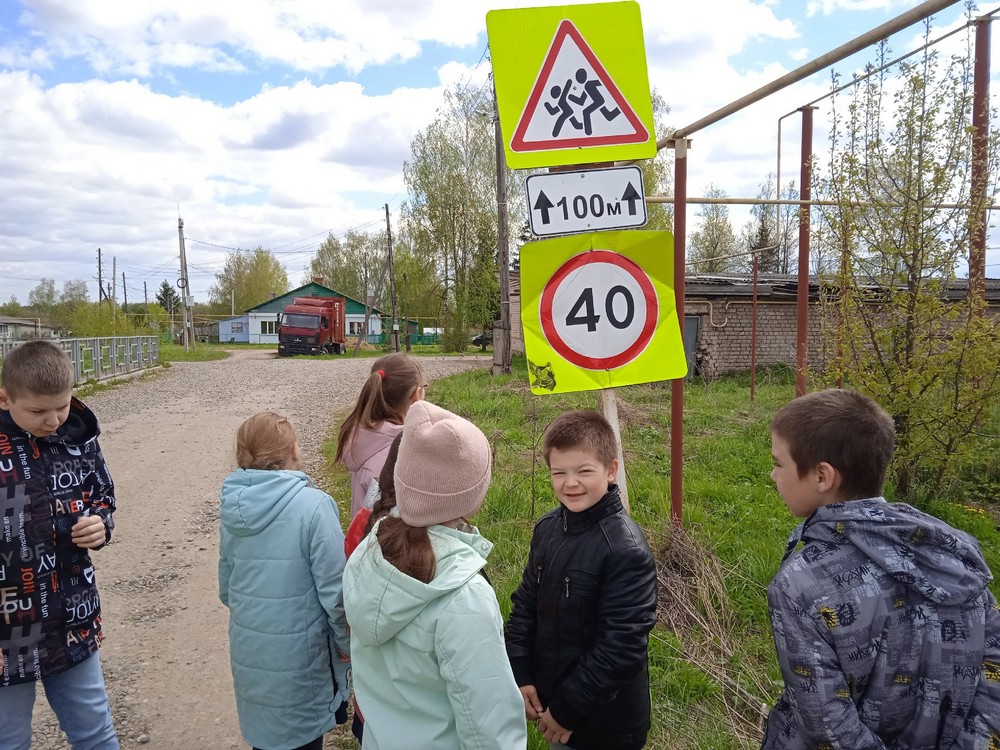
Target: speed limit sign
[{"x": 598, "y": 311}]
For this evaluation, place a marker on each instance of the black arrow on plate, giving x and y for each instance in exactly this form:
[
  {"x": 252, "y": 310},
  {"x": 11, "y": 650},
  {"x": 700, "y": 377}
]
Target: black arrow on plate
[
  {"x": 631, "y": 196},
  {"x": 543, "y": 204}
]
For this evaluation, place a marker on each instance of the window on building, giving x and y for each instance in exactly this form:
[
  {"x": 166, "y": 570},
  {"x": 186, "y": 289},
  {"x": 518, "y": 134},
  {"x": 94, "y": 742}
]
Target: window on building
[
  {"x": 236, "y": 327},
  {"x": 356, "y": 328},
  {"x": 268, "y": 327},
  {"x": 4, "y": 331}
]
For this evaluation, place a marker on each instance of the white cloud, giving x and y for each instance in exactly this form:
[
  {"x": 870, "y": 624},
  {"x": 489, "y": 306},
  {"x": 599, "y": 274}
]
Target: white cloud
[
  {"x": 139, "y": 37},
  {"x": 101, "y": 164}
]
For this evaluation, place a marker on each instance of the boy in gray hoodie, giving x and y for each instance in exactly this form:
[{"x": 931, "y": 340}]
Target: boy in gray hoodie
[{"x": 886, "y": 633}]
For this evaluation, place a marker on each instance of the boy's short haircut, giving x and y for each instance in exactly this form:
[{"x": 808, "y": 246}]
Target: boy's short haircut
[
  {"x": 37, "y": 367},
  {"x": 582, "y": 429},
  {"x": 845, "y": 429}
]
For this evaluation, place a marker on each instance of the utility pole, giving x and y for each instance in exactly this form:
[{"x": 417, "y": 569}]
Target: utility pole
[
  {"x": 232, "y": 303},
  {"x": 114, "y": 293},
  {"x": 406, "y": 320},
  {"x": 392, "y": 283},
  {"x": 182, "y": 282},
  {"x": 100, "y": 278},
  {"x": 145, "y": 295},
  {"x": 125, "y": 293},
  {"x": 501, "y": 348}
]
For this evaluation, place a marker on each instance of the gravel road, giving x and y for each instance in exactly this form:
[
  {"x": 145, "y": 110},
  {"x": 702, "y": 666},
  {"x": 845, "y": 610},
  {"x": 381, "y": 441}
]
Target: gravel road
[{"x": 168, "y": 438}]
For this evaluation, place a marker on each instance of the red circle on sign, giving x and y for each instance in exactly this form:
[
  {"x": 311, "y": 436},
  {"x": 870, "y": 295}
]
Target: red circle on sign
[{"x": 556, "y": 341}]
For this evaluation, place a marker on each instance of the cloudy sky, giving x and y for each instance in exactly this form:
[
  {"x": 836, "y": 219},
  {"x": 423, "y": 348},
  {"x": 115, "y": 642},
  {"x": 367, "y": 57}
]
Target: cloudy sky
[{"x": 274, "y": 122}]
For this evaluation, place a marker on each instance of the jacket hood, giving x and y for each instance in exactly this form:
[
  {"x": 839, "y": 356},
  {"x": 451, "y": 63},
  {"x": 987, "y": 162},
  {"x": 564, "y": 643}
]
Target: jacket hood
[
  {"x": 920, "y": 551},
  {"x": 252, "y": 498},
  {"x": 365, "y": 443},
  {"x": 79, "y": 428},
  {"x": 381, "y": 601}
]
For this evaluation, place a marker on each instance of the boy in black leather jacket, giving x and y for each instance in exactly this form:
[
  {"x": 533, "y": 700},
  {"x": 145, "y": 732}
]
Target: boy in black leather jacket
[{"x": 578, "y": 632}]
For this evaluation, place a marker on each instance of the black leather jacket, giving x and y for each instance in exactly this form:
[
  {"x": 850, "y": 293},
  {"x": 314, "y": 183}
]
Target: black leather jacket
[{"x": 579, "y": 627}]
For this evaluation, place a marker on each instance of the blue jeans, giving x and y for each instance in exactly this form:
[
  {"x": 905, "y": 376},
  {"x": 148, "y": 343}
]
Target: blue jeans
[{"x": 77, "y": 698}]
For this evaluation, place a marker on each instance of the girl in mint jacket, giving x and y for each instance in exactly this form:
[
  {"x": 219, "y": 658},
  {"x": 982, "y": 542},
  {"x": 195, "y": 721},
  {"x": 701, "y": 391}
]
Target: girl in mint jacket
[
  {"x": 430, "y": 666},
  {"x": 280, "y": 566}
]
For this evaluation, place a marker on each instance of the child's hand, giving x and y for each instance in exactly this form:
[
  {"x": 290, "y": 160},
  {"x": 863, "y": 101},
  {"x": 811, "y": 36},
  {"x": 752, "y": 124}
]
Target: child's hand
[
  {"x": 88, "y": 532},
  {"x": 532, "y": 705},
  {"x": 552, "y": 730}
]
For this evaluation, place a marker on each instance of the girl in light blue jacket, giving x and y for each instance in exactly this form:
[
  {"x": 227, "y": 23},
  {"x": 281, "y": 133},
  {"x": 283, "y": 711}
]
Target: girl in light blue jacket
[
  {"x": 281, "y": 559},
  {"x": 430, "y": 666}
]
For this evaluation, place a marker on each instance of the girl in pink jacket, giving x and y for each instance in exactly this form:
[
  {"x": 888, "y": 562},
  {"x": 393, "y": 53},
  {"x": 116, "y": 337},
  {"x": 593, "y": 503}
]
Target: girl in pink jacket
[{"x": 395, "y": 382}]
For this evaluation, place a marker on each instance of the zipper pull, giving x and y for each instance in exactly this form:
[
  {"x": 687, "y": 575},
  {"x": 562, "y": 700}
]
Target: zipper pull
[
  {"x": 538, "y": 578},
  {"x": 566, "y": 583},
  {"x": 565, "y": 521}
]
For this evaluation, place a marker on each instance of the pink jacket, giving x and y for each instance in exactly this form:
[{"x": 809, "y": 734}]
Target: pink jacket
[{"x": 364, "y": 458}]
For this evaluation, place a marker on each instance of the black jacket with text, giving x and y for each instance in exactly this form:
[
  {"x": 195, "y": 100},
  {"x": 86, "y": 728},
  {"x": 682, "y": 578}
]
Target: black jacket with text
[
  {"x": 50, "y": 611},
  {"x": 580, "y": 624}
]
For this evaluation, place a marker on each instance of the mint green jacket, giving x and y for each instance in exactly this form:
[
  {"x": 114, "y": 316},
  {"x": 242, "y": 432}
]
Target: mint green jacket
[{"x": 430, "y": 666}]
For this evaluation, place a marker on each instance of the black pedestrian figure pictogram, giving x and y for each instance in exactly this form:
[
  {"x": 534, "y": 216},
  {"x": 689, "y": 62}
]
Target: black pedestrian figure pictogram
[
  {"x": 563, "y": 109},
  {"x": 591, "y": 88}
]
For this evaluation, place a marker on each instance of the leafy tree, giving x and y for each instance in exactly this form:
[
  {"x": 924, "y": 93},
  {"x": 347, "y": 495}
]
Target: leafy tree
[
  {"x": 713, "y": 243},
  {"x": 248, "y": 278},
  {"x": 11, "y": 307},
  {"x": 43, "y": 297},
  {"x": 762, "y": 231},
  {"x": 451, "y": 219},
  {"x": 167, "y": 297},
  {"x": 657, "y": 173},
  {"x": 74, "y": 293},
  {"x": 900, "y": 150}
]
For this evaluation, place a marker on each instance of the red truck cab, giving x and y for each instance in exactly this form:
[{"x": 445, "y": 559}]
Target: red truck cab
[{"x": 313, "y": 325}]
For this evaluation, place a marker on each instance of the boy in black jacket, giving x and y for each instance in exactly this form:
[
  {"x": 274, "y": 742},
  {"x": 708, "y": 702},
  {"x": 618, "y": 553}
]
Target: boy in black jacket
[
  {"x": 578, "y": 632},
  {"x": 56, "y": 505}
]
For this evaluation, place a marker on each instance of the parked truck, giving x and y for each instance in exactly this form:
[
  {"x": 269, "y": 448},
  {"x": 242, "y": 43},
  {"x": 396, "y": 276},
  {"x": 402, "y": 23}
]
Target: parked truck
[{"x": 313, "y": 325}]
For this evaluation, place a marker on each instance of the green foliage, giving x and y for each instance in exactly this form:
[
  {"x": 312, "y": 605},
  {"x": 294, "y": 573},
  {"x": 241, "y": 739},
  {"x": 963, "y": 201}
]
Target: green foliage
[
  {"x": 167, "y": 297},
  {"x": 713, "y": 243},
  {"x": 11, "y": 307},
  {"x": 248, "y": 278},
  {"x": 170, "y": 352},
  {"x": 353, "y": 265},
  {"x": 777, "y": 243},
  {"x": 451, "y": 219},
  {"x": 900, "y": 150},
  {"x": 43, "y": 297},
  {"x": 657, "y": 173}
]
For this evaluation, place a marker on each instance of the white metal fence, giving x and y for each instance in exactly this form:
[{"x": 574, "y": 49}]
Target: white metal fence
[{"x": 104, "y": 357}]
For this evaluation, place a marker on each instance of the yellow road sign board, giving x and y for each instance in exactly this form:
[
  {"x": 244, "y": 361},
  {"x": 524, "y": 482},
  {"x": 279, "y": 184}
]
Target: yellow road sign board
[
  {"x": 572, "y": 85},
  {"x": 598, "y": 311}
]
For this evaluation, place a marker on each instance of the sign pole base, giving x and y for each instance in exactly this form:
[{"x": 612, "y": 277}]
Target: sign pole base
[{"x": 610, "y": 404}]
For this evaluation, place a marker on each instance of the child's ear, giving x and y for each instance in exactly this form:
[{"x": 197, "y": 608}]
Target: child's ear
[
  {"x": 613, "y": 471},
  {"x": 828, "y": 479},
  {"x": 5, "y": 400}
]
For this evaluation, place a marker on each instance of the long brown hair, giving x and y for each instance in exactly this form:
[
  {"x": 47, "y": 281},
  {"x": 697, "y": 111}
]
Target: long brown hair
[
  {"x": 386, "y": 485},
  {"x": 385, "y": 396},
  {"x": 407, "y": 548}
]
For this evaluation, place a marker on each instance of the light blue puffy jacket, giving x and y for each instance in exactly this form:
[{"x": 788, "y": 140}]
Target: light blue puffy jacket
[
  {"x": 430, "y": 665},
  {"x": 281, "y": 559}
]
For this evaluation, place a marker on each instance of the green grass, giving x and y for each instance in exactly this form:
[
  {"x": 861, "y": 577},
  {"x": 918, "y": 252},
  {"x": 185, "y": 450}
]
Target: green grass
[
  {"x": 198, "y": 353},
  {"x": 712, "y": 664}
]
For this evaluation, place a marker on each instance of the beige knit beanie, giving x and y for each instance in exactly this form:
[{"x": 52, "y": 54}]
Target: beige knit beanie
[{"x": 443, "y": 468}]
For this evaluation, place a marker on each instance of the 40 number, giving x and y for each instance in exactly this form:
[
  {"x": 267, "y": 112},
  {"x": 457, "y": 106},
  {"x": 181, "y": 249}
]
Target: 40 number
[{"x": 583, "y": 314}]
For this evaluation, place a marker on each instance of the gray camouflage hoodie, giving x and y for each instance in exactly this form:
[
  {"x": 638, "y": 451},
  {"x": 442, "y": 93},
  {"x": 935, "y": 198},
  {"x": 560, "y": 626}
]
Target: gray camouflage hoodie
[{"x": 886, "y": 634}]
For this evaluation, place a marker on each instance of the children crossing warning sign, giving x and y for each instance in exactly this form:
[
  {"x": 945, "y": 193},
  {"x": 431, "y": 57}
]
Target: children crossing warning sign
[
  {"x": 572, "y": 86},
  {"x": 575, "y": 102}
]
